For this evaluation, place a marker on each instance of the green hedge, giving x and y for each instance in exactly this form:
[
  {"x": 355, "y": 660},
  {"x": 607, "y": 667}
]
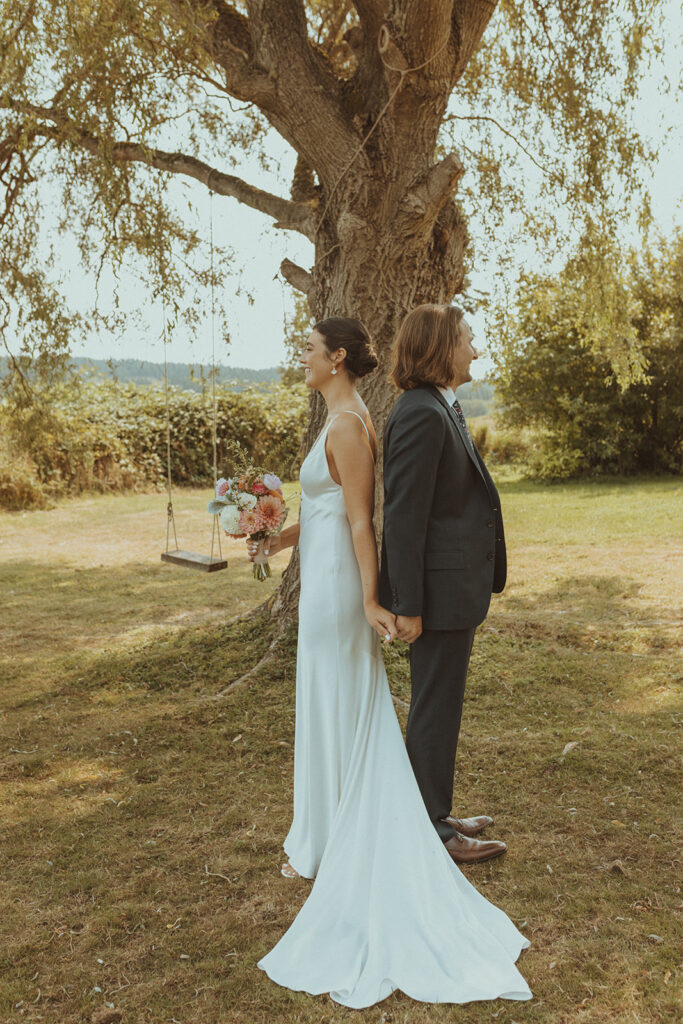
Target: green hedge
[
  {"x": 502, "y": 445},
  {"x": 103, "y": 435}
]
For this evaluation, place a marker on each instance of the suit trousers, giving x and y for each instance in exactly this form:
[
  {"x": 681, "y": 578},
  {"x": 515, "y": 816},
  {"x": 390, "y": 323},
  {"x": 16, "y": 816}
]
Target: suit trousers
[{"x": 438, "y": 670}]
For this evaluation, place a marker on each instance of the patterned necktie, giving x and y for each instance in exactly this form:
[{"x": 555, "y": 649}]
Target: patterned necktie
[{"x": 462, "y": 421}]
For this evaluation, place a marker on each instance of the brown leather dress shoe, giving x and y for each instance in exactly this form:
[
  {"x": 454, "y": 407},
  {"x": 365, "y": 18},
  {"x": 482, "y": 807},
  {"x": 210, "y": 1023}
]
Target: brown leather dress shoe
[
  {"x": 470, "y": 826},
  {"x": 464, "y": 850}
]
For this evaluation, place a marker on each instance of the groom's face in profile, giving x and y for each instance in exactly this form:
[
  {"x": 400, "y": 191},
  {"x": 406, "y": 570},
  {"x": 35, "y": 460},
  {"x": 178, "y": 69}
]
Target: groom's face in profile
[{"x": 464, "y": 355}]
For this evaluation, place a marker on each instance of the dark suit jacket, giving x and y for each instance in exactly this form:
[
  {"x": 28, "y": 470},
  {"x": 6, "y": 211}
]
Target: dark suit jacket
[{"x": 443, "y": 546}]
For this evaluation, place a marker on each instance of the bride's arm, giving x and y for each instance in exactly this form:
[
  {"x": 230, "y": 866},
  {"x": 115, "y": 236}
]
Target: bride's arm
[
  {"x": 353, "y": 463},
  {"x": 289, "y": 538}
]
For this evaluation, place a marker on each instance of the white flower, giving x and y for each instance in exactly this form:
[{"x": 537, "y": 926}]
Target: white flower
[
  {"x": 272, "y": 482},
  {"x": 246, "y": 501},
  {"x": 229, "y": 518}
]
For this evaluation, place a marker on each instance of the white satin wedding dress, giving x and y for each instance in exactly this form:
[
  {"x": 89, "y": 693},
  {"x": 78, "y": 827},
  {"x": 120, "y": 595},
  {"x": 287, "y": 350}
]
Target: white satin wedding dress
[{"x": 388, "y": 909}]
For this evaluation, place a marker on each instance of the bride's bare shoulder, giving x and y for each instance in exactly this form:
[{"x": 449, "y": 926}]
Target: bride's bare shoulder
[{"x": 351, "y": 426}]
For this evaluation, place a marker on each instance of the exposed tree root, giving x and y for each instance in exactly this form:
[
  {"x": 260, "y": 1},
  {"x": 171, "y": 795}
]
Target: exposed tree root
[
  {"x": 268, "y": 657},
  {"x": 254, "y": 672},
  {"x": 266, "y": 660},
  {"x": 252, "y": 613}
]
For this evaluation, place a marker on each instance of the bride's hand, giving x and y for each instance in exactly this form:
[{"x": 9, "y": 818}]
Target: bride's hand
[
  {"x": 382, "y": 621},
  {"x": 266, "y": 547}
]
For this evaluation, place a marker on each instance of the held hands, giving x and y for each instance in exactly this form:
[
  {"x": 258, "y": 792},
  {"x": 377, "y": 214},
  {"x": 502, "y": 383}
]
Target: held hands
[
  {"x": 382, "y": 621},
  {"x": 408, "y": 627}
]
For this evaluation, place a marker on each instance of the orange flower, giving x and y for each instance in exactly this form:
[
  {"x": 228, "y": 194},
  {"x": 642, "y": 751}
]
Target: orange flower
[{"x": 272, "y": 510}]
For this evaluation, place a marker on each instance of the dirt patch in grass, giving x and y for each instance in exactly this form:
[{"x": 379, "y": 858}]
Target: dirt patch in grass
[{"x": 143, "y": 822}]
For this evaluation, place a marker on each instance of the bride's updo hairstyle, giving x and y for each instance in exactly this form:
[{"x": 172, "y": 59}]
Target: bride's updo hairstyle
[
  {"x": 425, "y": 346},
  {"x": 351, "y": 335}
]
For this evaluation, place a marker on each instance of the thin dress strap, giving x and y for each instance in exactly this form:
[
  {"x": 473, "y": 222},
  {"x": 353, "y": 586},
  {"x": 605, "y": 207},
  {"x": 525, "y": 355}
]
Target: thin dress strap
[{"x": 354, "y": 413}]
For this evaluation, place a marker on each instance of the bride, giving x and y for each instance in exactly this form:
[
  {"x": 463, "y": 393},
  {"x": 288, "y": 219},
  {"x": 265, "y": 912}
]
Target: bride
[{"x": 388, "y": 909}]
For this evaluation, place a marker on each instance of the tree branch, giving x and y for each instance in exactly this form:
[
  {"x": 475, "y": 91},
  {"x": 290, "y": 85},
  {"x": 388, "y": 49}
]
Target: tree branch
[
  {"x": 12, "y": 149},
  {"x": 492, "y": 120},
  {"x": 423, "y": 28},
  {"x": 28, "y": 391},
  {"x": 422, "y": 203},
  {"x": 296, "y": 276},
  {"x": 227, "y": 41},
  {"x": 332, "y": 37},
  {"x": 310, "y": 114},
  {"x": 469, "y": 20},
  {"x": 268, "y": 60},
  {"x": 544, "y": 25},
  {"x": 287, "y": 214},
  {"x": 371, "y": 14}
]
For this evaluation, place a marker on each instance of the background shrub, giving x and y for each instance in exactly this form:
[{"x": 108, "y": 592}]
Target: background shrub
[
  {"x": 589, "y": 416},
  {"x": 500, "y": 444},
  {"x": 20, "y": 485},
  {"x": 103, "y": 435}
]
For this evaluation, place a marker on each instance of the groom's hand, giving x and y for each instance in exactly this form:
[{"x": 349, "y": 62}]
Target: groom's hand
[{"x": 408, "y": 627}]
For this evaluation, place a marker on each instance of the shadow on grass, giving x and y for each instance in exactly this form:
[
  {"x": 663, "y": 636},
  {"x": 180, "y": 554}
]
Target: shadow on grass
[
  {"x": 582, "y": 611},
  {"x": 139, "y": 736},
  {"x": 64, "y": 625},
  {"x": 161, "y": 817},
  {"x": 201, "y": 659},
  {"x": 132, "y": 794}
]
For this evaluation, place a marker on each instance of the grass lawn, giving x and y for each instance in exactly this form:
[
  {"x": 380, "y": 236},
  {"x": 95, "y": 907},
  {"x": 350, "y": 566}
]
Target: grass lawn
[{"x": 142, "y": 823}]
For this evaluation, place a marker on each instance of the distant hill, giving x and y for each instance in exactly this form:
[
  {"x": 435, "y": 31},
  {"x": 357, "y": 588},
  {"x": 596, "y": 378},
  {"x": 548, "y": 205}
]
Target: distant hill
[
  {"x": 183, "y": 375},
  {"x": 189, "y": 376},
  {"x": 475, "y": 398}
]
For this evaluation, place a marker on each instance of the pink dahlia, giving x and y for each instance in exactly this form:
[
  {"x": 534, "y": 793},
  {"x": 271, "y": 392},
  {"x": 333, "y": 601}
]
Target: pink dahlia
[
  {"x": 252, "y": 522},
  {"x": 272, "y": 510}
]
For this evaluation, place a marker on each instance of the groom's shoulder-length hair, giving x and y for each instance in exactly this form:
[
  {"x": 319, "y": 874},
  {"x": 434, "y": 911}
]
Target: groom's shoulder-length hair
[{"x": 425, "y": 346}]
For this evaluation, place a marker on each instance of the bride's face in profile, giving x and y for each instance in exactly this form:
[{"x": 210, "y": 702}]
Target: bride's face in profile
[{"x": 317, "y": 361}]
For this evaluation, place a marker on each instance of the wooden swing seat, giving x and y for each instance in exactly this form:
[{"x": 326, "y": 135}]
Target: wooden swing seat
[{"x": 190, "y": 560}]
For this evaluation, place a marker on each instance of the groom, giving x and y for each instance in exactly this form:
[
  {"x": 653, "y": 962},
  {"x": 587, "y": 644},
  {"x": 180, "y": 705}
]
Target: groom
[{"x": 443, "y": 552}]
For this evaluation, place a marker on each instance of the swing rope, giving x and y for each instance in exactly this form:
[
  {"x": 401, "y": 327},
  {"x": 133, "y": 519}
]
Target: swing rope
[
  {"x": 216, "y": 529},
  {"x": 170, "y": 518}
]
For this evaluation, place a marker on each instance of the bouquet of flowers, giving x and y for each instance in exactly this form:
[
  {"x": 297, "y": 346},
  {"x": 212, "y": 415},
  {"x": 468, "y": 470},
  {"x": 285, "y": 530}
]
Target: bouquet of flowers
[{"x": 250, "y": 505}]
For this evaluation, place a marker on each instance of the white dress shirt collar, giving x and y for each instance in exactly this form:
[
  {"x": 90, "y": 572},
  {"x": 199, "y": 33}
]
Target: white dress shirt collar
[{"x": 448, "y": 394}]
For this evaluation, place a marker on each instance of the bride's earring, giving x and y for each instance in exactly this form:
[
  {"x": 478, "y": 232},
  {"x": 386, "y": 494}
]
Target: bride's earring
[{"x": 334, "y": 370}]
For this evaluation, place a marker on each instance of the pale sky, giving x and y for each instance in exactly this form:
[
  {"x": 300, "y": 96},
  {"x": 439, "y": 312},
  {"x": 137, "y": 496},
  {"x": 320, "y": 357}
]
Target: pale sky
[{"x": 256, "y": 328}]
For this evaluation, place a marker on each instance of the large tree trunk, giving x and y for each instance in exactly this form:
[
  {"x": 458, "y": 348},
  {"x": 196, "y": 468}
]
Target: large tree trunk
[
  {"x": 388, "y": 234},
  {"x": 383, "y": 259}
]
